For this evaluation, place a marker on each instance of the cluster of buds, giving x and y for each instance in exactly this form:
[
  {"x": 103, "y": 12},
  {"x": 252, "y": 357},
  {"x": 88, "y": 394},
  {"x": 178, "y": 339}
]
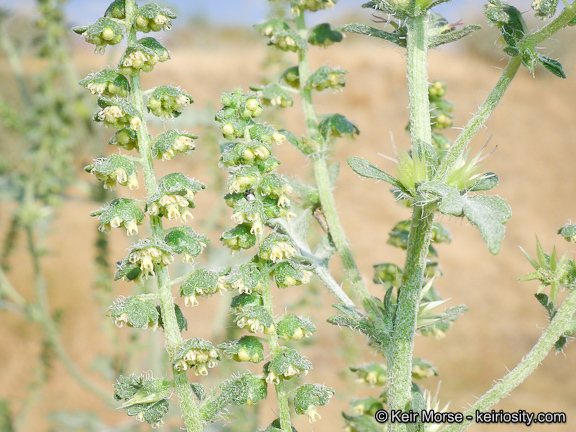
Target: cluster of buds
[
  {"x": 142, "y": 57},
  {"x": 311, "y": 5},
  {"x": 246, "y": 349},
  {"x": 117, "y": 113},
  {"x": 246, "y": 389},
  {"x": 277, "y": 247},
  {"x": 126, "y": 138},
  {"x": 143, "y": 258},
  {"x": 151, "y": 17},
  {"x": 202, "y": 282},
  {"x": 170, "y": 143},
  {"x": 310, "y": 396},
  {"x": 373, "y": 374},
  {"x": 257, "y": 193},
  {"x": 114, "y": 169},
  {"x": 135, "y": 311},
  {"x": 246, "y": 278},
  {"x": 168, "y": 102},
  {"x": 175, "y": 195},
  {"x": 286, "y": 365},
  {"x": 327, "y": 78},
  {"x": 292, "y": 327},
  {"x": 121, "y": 212},
  {"x": 102, "y": 33},
  {"x": 108, "y": 83},
  {"x": 185, "y": 241},
  {"x": 292, "y": 273},
  {"x": 198, "y": 353}
]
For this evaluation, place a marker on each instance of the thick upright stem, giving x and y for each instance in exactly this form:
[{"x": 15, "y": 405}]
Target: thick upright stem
[
  {"x": 417, "y": 75},
  {"x": 190, "y": 412},
  {"x": 322, "y": 178},
  {"x": 400, "y": 351}
]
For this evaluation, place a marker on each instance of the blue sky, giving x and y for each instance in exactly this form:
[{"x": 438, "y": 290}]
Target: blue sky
[{"x": 243, "y": 12}]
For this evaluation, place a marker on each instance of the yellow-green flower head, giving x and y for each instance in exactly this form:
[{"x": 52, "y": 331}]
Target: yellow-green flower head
[
  {"x": 371, "y": 373},
  {"x": 114, "y": 169},
  {"x": 276, "y": 247},
  {"x": 311, "y": 5},
  {"x": 464, "y": 173},
  {"x": 170, "y": 143},
  {"x": 108, "y": 83},
  {"x": 151, "y": 17},
  {"x": 310, "y": 396},
  {"x": 134, "y": 311},
  {"x": 247, "y": 349},
  {"x": 117, "y": 114},
  {"x": 410, "y": 170},
  {"x": 121, "y": 212},
  {"x": 286, "y": 365},
  {"x": 198, "y": 353},
  {"x": 102, "y": 33},
  {"x": 174, "y": 196}
]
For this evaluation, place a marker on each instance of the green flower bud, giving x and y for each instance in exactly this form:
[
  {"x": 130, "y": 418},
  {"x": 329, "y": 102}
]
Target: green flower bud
[
  {"x": 102, "y": 33},
  {"x": 272, "y": 27},
  {"x": 337, "y": 126},
  {"x": 204, "y": 283},
  {"x": 108, "y": 83},
  {"x": 310, "y": 396},
  {"x": 273, "y": 94},
  {"x": 327, "y": 77},
  {"x": 246, "y": 279},
  {"x": 147, "y": 255},
  {"x": 184, "y": 240},
  {"x": 292, "y": 77},
  {"x": 436, "y": 90},
  {"x": 276, "y": 247},
  {"x": 568, "y": 232},
  {"x": 422, "y": 369},
  {"x": 243, "y": 179},
  {"x": 151, "y": 17},
  {"x": 250, "y": 212},
  {"x": 272, "y": 209},
  {"x": 168, "y": 102},
  {"x": 255, "y": 319},
  {"x": 287, "y": 40},
  {"x": 387, "y": 274},
  {"x": 116, "y": 10},
  {"x": 144, "y": 397},
  {"x": 276, "y": 186},
  {"x": 292, "y": 327},
  {"x": 117, "y": 114},
  {"x": 367, "y": 406},
  {"x": 134, "y": 311},
  {"x": 324, "y": 35},
  {"x": 170, "y": 143},
  {"x": 114, "y": 169},
  {"x": 371, "y": 373},
  {"x": 175, "y": 194},
  {"x": 239, "y": 237},
  {"x": 286, "y": 365},
  {"x": 291, "y": 273},
  {"x": 245, "y": 301},
  {"x": 311, "y": 5},
  {"x": 246, "y": 389},
  {"x": 126, "y": 138},
  {"x": 137, "y": 59},
  {"x": 247, "y": 348},
  {"x": 121, "y": 212},
  {"x": 198, "y": 353},
  {"x": 160, "y": 52}
]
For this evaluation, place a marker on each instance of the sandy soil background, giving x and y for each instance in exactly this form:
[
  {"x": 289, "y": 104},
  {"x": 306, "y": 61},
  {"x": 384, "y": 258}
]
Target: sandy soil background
[{"x": 534, "y": 131}]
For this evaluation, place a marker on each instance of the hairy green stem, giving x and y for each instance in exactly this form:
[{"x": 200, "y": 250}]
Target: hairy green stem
[
  {"x": 417, "y": 75},
  {"x": 563, "y": 318},
  {"x": 322, "y": 178},
  {"x": 495, "y": 96},
  {"x": 400, "y": 350},
  {"x": 190, "y": 411}
]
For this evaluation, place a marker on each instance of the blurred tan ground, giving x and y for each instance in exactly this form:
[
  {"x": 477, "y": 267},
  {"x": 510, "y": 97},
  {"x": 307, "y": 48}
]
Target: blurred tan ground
[{"x": 534, "y": 130}]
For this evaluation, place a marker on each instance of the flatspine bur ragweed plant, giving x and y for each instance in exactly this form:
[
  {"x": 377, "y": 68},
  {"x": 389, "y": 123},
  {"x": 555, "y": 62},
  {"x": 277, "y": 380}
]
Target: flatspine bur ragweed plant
[{"x": 434, "y": 177}]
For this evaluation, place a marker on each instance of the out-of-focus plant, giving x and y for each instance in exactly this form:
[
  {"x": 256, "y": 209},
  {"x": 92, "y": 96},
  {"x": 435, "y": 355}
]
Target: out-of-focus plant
[{"x": 46, "y": 122}]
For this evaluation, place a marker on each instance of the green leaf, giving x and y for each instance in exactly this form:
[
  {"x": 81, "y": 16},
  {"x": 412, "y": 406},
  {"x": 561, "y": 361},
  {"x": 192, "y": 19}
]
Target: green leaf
[
  {"x": 452, "y": 36},
  {"x": 365, "y": 169},
  {"x": 551, "y": 65},
  {"x": 324, "y": 35},
  {"x": 365, "y": 30},
  {"x": 488, "y": 214}
]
